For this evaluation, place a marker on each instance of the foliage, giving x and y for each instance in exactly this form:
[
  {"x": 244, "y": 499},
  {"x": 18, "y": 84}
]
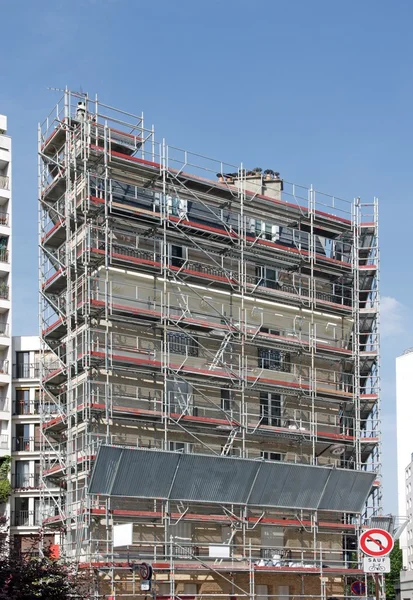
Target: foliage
[
  {"x": 28, "y": 577},
  {"x": 396, "y": 564},
  {"x": 5, "y": 487}
]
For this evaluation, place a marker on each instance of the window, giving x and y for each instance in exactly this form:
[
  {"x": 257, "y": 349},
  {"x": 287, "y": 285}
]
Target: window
[
  {"x": 277, "y": 456},
  {"x": 266, "y": 276},
  {"x": 180, "y": 343},
  {"x": 261, "y": 592},
  {"x": 22, "y": 477},
  {"x": 183, "y": 447},
  {"x": 226, "y": 400},
  {"x": 22, "y": 364},
  {"x": 271, "y": 331},
  {"x": 178, "y": 254},
  {"x": 270, "y": 408},
  {"x": 22, "y": 440},
  {"x": 276, "y": 360},
  {"x": 266, "y": 231},
  {"x": 22, "y": 402},
  {"x": 177, "y": 207},
  {"x": 179, "y": 397}
]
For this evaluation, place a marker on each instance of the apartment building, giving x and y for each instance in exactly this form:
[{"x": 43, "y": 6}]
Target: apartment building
[
  {"x": 28, "y": 508},
  {"x": 209, "y": 348},
  {"x": 5, "y": 302},
  {"x": 404, "y": 416}
]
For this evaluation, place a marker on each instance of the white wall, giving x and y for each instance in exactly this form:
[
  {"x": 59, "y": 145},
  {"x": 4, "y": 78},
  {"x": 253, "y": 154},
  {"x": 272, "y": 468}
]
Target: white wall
[{"x": 404, "y": 408}]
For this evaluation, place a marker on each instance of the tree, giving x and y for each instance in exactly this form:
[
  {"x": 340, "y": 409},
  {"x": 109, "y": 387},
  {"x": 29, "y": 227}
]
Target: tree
[
  {"x": 27, "y": 577},
  {"x": 5, "y": 487},
  {"x": 396, "y": 564}
]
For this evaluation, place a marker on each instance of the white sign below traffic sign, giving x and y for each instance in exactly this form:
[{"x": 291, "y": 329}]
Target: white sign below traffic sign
[
  {"x": 376, "y": 542},
  {"x": 377, "y": 564}
]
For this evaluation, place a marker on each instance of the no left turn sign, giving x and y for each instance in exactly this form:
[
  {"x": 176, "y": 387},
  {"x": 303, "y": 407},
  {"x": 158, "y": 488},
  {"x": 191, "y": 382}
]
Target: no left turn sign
[{"x": 376, "y": 542}]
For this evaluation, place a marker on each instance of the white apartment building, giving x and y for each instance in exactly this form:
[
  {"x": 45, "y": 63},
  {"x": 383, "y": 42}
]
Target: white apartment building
[
  {"x": 26, "y": 503},
  {"x": 404, "y": 408},
  {"x": 5, "y": 297}
]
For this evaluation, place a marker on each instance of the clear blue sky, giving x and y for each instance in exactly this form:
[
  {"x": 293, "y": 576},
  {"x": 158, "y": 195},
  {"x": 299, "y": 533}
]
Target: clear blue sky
[{"x": 320, "y": 90}]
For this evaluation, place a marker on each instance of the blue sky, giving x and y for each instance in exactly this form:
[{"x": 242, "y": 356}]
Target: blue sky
[{"x": 320, "y": 90}]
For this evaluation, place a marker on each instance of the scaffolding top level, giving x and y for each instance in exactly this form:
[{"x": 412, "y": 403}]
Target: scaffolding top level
[{"x": 157, "y": 156}]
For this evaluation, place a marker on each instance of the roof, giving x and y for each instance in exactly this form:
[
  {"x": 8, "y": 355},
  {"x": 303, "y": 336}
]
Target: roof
[{"x": 138, "y": 473}]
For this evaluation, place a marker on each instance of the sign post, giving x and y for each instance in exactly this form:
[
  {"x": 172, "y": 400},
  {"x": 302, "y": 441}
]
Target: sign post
[{"x": 376, "y": 544}]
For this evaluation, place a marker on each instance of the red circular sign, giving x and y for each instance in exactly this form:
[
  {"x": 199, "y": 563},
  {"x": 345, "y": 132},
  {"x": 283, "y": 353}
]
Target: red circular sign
[
  {"x": 358, "y": 588},
  {"x": 376, "y": 542}
]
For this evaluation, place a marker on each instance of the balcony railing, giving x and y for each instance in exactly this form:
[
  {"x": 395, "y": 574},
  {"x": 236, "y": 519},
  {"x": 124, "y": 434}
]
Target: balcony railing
[
  {"x": 4, "y": 329},
  {"x": 4, "y": 441},
  {"x": 4, "y": 182},
  {"x": 4, "y": 254},
  {"x": 22, "y": 407},
  {"x": 4, "y": 218},
  {"x": 26, "y": 371},
  {"x": 28, "y": 518},
  {"x": 26, "y": 481},
  {"x": 4, "y": 291},
  {"x": 4, "y": 367},
  {"x": 25, "y": 444}
]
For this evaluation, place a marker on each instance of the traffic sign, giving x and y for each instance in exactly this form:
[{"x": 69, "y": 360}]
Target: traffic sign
[
  {"x": 377, "y": 564},
  {"x": 358, "y": 588},
  {"x": 376, "y": 542}
]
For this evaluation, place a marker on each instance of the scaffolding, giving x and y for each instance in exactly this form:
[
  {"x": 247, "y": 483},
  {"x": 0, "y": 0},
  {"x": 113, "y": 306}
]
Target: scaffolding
[{"x": 188, "y": 305}]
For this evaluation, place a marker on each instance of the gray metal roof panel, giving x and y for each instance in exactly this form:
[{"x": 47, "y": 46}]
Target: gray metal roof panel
[
  {"x": 347, "y": 490},
  {"x": 288, "y": 485},
  {"x": 214, "y": 479},
  {"x": 145, "y": 474},
  {"x": 139, "y": 473},
  {"x": 104, "y": 471}
]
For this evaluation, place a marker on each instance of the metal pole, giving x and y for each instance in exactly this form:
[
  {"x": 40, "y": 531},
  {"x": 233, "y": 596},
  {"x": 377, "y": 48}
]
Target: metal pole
[{"x": 377, "y": 586}]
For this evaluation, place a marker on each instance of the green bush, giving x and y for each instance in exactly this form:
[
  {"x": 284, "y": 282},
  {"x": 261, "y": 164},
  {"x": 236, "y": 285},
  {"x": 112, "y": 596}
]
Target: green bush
[{"x": 5, "y": 487}]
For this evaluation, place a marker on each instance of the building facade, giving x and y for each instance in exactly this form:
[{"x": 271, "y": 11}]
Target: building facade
[
  {"x": 28, "y": 509},
  {"x": 404, "y": 416},
  {"x": 208, "y": 333},
  {"x": 5, "y": 307}
]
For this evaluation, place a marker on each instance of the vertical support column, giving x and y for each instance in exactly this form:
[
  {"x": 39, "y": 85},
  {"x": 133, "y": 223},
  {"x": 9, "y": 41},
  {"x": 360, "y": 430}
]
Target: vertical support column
[
  {"x": 312, "y": 340},
  {"x": 356, "y": 331},
  {"x": 243, "y": 367},
  {"x": 163, "y": 208}
]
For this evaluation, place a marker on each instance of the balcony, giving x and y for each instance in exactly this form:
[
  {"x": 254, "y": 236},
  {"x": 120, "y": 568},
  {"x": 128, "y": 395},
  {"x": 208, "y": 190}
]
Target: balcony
[
  {"x": 25, "y": 444},
  {"x": 4, "y": 253},
  {"x": 21, "y": 407},
  {"x": 4, "y": 441},
  {"x": 4, "y": 329},
  {"x": 27, "y": 518},
  {"x": 26, "y": 371},
  {"x": 4, "y": 182},
  {"x": 4, "y": 291},
  {"x": 26, "y": 481},
  {"x": 4, "y": 367}
]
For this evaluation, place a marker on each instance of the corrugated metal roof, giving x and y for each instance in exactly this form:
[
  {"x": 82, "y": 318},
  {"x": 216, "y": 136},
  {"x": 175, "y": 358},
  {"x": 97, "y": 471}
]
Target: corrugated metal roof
[
  {"x": 104, "y": 471},
  {"x": 145, "y": 474},
  {"x": 137, "y": 473},
  {"x": 345, "y": 489},
  {"x": 295, "y": 486},
  {"x": 213, "y": 478}
]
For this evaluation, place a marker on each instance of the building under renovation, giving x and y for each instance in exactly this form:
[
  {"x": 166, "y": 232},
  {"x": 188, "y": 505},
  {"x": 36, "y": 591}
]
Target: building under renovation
[{"x": 210, "y": 366}]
